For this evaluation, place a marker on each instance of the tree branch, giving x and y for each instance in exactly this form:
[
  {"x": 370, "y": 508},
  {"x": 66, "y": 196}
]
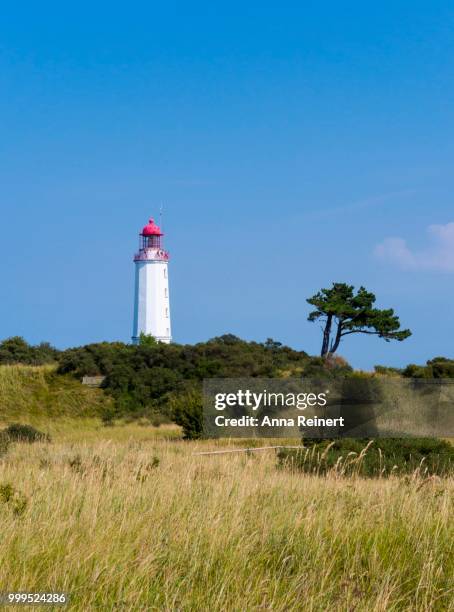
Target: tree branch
[{"x": 362, "y": 331}]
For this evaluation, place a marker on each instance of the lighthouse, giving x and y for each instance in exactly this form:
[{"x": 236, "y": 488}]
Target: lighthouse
[{"x": 151, "y": 293}]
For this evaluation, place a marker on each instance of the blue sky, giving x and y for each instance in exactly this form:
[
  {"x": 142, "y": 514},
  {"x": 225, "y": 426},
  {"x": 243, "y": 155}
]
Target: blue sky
[{"x": 292, "y": 144}]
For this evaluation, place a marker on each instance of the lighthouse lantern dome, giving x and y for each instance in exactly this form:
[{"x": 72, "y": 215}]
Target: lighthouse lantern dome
[
  {"x": 151, "y": 229},
  {"x": 151, "y": 235}
]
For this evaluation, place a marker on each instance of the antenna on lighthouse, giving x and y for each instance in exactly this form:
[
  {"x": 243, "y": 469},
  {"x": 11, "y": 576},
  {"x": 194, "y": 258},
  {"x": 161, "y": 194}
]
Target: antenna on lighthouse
[{"x": 160, "y": 215}]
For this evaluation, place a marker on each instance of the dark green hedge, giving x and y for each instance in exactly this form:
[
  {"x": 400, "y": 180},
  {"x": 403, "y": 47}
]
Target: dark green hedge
[{"x": 17, "y": 350}]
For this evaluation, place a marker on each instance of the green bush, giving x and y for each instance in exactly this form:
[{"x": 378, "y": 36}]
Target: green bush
[
  {"x": 13, "y": 499},
  {"x": 4, "y": 444},
  {"x": 16, "y": 432},
  {"x": 108, "y": 415},
  {"x": 438, "y": 367},
  {"x": 142, "y": 377},
  {"x": 372, "y": 458},
  {"x": 17, "y": 350},
  {"x": 76, "y": 463},
  {"x": 186, "y": 410},
  {"x": 387, "y": 371}
]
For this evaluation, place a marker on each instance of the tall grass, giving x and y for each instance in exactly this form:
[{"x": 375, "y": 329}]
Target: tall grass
[
  {"x": 38, "y": 391},
  {"x": 148, "y": 525}
]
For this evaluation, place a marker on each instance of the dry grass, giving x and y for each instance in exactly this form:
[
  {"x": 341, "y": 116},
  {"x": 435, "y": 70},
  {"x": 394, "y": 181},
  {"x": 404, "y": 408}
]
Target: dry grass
[{"x": 143, "y": 524}]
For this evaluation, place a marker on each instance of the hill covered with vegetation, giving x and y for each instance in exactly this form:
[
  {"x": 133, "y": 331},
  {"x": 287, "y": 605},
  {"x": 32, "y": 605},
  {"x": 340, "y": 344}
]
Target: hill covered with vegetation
[
  {"x": 155, "y": 380},
  {"x": 40, "y": 391}
]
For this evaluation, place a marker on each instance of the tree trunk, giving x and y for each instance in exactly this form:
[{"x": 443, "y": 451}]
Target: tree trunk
[
  {"x": 326, "y": 335},
  {"x": 337, "y": 339}
]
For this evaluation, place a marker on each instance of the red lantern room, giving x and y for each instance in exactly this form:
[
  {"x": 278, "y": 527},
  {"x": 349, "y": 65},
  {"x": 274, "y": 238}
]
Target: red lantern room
[
  {"x": 150, "y": 236},
  {"x": 150, "y": 244}
]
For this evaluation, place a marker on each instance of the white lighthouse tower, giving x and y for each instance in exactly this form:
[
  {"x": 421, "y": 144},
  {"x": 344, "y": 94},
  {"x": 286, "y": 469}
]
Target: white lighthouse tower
[{"x": 151, "y": 298}]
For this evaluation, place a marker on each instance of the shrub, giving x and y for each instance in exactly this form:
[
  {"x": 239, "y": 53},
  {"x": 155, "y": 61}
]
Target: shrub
[
  {"x": 332, "y": 366},
  {"x": 439, "y": 367},
  {"x": 4, "y": 443},
  {"x": 141, "y": 377},
  {"x": 6, "y": 493},
  {"x": 108, "y": 415},
  {"x": 387, "y": 371},
  {"x": 76, "y": 464},
  {"x": 17, "y": 350},
  {"x": 16, "y": 432},
  {"x": 147, "y": 340},
  {"x": 372, "y": 458},
  {"x": 187, "y": 412},
  {"x": 156, "y": 420},
  {"x": 13, "y": 498}
]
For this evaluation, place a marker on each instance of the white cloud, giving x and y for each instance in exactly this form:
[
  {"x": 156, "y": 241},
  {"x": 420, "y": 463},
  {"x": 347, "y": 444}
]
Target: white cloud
[{"x": 439, "y": 255}]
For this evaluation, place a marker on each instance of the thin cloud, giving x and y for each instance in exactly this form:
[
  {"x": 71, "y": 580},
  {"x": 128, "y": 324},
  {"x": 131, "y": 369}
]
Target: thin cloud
[
  {"x": 437, "y": 256},
  {"x": 381, "y": 200}
]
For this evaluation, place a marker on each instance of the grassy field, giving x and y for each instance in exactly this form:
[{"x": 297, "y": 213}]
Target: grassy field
[
  {"x": 38, "y": 392},
  {"x": 129, "y": 518}
]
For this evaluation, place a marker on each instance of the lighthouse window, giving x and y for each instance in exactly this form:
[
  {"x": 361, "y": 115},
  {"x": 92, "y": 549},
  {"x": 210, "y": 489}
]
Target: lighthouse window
[
  {"x": 165, "y": 272},
  {"x": 167, "y": 312},
  {"x": 165, "y": 291}
]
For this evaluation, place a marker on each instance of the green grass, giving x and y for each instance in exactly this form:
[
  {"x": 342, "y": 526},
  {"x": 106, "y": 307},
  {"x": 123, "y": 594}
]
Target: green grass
[{"x": 37, "y": 391}]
